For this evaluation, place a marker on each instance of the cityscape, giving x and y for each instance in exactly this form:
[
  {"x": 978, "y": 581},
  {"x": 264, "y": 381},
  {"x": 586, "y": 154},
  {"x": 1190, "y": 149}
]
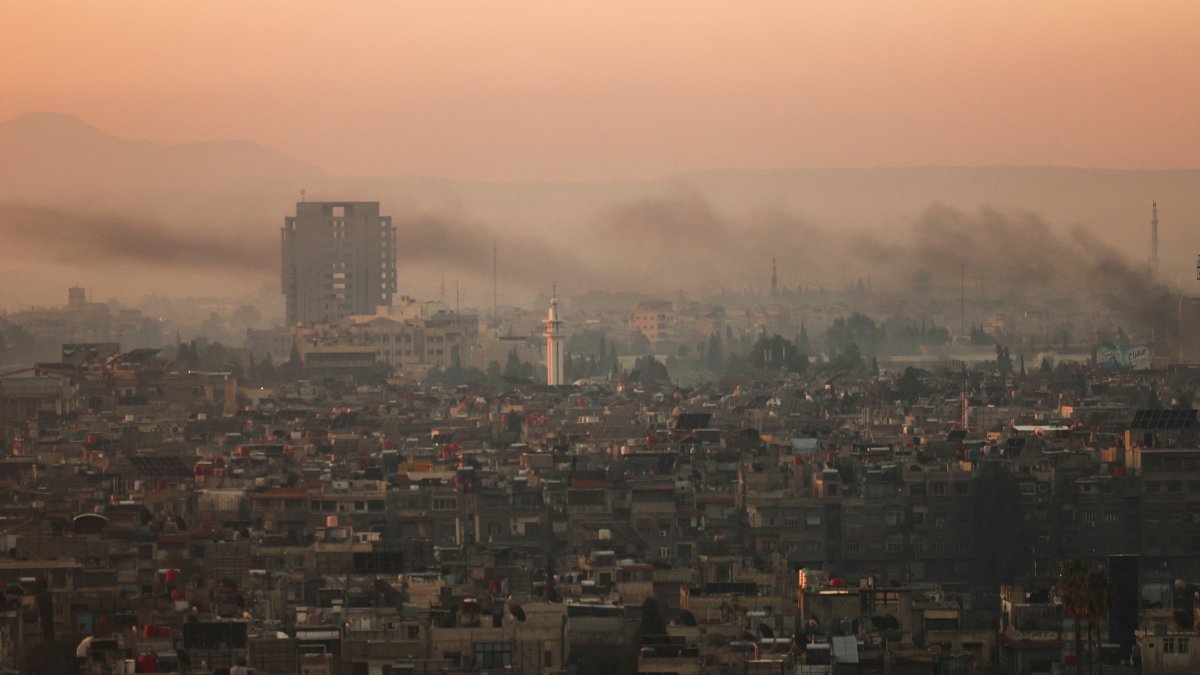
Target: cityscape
[{"x": 536, "y": 339}]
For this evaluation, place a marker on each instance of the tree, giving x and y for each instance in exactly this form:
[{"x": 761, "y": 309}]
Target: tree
[
  {"x": 183, "y": 355},
  {"x": 776, "y": 353},
  {"x": 859, "y": 330},
  {"x": 980, "y": 336},
  {"x": 512, "y": 368},
  {"x": 648, "y": 369},
  {"x": 1152, "y": 400},
  {"x": 653, "y": 624},
  {"x": 1099, "y": 597},
  {"x": 849, "y": 358},
  {"x": 16, "y": 343},
  {"x": 802, "y": 342},
  {"x": 1004, "y": 362},
  {"x": 639, "y": 343},
  {"x": 714, "y": 355},
  {"x": 911, "y": 385},
  {"x": 266, "y": 369},
  {"x": 494, "y": 375},
  {"x": 1072, "y": 590}
]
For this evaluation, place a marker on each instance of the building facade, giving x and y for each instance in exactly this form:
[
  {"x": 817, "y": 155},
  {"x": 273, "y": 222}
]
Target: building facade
[{"x": 339, "y": 259}]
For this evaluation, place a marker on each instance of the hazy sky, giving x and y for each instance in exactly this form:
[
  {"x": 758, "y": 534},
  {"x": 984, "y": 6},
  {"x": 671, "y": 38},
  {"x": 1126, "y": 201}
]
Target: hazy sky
[{"x": 583, "y": 90}]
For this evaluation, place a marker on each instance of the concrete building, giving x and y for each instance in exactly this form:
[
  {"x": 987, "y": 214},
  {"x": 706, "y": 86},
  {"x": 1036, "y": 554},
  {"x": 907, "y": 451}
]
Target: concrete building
[
  {"x": 339, "y": 259},
  {"x": 654, "y": 319}
]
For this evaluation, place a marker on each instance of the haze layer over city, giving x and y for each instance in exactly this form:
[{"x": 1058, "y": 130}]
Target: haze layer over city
[{"x": 529, "y": 263}]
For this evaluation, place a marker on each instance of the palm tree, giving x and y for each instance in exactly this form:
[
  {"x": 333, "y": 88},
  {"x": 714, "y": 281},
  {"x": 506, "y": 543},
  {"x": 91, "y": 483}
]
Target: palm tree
[
  {"x": 1099, "y": 596},
  {"x": 1073, "y": 591}
]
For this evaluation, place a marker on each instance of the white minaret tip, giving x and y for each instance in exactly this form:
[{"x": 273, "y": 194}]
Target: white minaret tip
[{"x": 554, "y": 343}]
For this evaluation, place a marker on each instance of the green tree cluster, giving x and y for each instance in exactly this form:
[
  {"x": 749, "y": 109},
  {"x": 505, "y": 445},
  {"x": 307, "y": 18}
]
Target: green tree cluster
[{"x": 776, "y": 353}]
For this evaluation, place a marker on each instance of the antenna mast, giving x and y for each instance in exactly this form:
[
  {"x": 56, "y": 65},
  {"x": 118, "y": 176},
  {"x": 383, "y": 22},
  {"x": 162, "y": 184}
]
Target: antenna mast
[
  {"x": 495, "y": 291},
  {"x": 1154, "y": 241}
]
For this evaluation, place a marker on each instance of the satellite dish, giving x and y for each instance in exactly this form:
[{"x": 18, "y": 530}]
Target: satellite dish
[
  {"x": 765, "y": 631},
  {"x": 687, "y": 617},
  {"x": 879, "y": 623},
  {"x": 516, "y": 610}
]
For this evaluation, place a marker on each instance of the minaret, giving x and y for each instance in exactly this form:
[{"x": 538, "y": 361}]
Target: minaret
[
  {"x": 1154, "y": 241},
  {"x": 554, "y": 344},
  {"x": 774, "y": 278}
]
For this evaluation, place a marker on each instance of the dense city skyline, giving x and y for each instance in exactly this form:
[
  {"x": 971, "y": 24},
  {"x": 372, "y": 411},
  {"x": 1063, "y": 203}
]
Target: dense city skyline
[{"x": 620, "y": 338}]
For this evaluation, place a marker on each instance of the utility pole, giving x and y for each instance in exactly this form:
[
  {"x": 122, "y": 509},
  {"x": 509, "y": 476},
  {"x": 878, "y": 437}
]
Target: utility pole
[
  {"x": 495, "y": 292},
  {"x": 1154, "y": 241},
  {"x": 962, "y": 299}
]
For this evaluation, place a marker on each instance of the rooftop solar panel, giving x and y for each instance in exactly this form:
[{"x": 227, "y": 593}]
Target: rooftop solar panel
[{"x": 1163, "y": 419}]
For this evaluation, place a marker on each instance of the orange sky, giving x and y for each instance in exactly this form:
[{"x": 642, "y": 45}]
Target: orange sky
[{"x": 613, "y": 89}]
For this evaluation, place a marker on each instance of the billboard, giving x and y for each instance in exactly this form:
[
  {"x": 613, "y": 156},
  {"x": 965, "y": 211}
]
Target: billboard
[{"x": 1127, "y": 357}]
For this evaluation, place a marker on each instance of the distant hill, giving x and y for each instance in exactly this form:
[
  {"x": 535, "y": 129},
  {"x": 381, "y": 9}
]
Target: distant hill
[
  {"x": 50, "y": 155},
  {"x": 719, "y": 226}
]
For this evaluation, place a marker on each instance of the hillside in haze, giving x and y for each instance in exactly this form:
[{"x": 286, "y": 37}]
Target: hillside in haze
[
  {"x": 50, "y": 154},
  {"x": 126, "y": 216}
]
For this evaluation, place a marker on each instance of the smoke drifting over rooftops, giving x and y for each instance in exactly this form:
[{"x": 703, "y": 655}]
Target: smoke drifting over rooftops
[
  {"x": 130, "y": 244},
  {"x": 656, "y": 245}
]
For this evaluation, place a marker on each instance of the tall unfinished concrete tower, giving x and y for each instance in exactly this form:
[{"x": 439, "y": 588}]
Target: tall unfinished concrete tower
[{"x": 339, "y": 259}]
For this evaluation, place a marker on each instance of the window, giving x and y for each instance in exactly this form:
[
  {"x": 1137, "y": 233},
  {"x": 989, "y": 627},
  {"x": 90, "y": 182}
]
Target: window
[
  {"x": 812, "y": 519},
  {"x": 918, "y": 518},
  {"x": 414, "y": 632},
  {"x": 1183, "y": 645},
  {"x": 939, "y": 522},
  {"x": 938, "y": 488},
  {"x": 852, "y": 547},
  {"x": 493, "y": 654},
  {"x": 1168, "y": 645},
  {"x": 791, "y": 521},
  {"x": 445, "y": 503}
]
